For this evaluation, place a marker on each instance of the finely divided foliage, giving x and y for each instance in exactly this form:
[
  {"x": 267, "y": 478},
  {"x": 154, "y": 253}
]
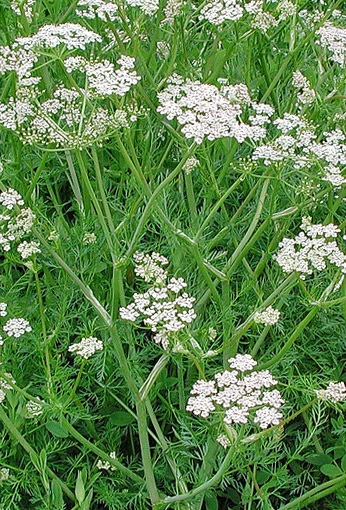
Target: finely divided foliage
[{"x": 173, "y": 254}]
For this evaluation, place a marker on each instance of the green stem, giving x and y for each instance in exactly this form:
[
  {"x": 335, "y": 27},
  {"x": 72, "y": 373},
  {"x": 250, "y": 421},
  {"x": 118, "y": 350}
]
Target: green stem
[
  {"x": 37, "y": 176},
  {"x": 317, "y": 493},
  {"x": 301, "y": 326},
  {"x": 191, "y": 200},
  {"x": 152, "y": 377},
  {"x": 248, "y": 240},
  {"x": 77, "y": 381},
  {"x": 102, "y": 191},
  {"x": 44, "y": 333},
  {"x": 86, "y": 291},
  {"x": 74, "y": 182},
  {"x": 18, "y": 437},
  {"x": 96, "y": 205},
  {"x": 100, "y": 453},
  {"x": 216, "y": 207},
  {"x": 206, "y": 485},
  {"x": 145, "y": 450}
]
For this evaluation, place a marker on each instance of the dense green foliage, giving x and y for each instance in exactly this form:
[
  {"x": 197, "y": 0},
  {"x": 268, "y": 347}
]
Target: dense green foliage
[{"x": 102, "y": 199}]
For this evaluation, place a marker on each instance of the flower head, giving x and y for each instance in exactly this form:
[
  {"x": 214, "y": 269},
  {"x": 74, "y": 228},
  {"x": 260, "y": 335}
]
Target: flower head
[{"x": 86, "y": 347}]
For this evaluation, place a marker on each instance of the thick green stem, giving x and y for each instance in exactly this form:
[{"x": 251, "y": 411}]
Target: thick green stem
[
  {"x": 145, "y": 450},
  {"x": 317, "y": 493}
]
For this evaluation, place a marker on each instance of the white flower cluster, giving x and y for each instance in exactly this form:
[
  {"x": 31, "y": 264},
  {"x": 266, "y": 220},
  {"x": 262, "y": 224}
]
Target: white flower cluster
[
  {"x": 101, "y": 464},
  {"x": 17, "y": 327},
  {"x": 27, "y": 249},
  {"x": 89, "y": 238},
  {"x": 190, "y": 164},
  {"x": 268, "y": 317},
  {"x": 10, "y": 198},
  {"x": 297, "y": 143},
  {"x": 3, "y": 311},
  {"x": 219, "y": 11},
  {"x": 97, "y": 8},
  {"x": 163, "y": 307},
  {"x": 334, "y": 39},
  {"x": 149, "y": 266},
  {"x": 102, "y": 78},
  {"x": 15, "y": 223},
  {"x": 33, "y": 408},
  {"x": 69, "y": 118},
  {"x": 64, "y": 120},
  {"x": 20, "y": 61},
  {"x": 306, "y": 94},
  {"x": 26, "y": 5},
  {"x": 147, "y": 6},
  {"x": 335, "y": 392},
  {"x": 87, "y": 347},
  {"x": 172, "y": 10},
  {"x": 4, "y": 385},
  {"x": 4, "y": 472},
  {"x": 204, "y": 111},
  {"x": 241, "y": 395},
  {"x": 223, "y": 440},
  {"x": 311, "y": 249},
  {"x": 72, "y": 35}
]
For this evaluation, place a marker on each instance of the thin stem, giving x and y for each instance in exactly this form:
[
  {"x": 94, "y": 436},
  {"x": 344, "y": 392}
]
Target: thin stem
[
  {"x": 100, "y": 453},
  {"x": 300, "y": 328},
  {"x": 44, "y": 333},
  {"x": 77, "y": 381},
  {"x": 206, "y": 485},
  {"x": 74, "y": 182},
  {"x": 96, "y": 205},
  {"x": 18, "y": 437}
]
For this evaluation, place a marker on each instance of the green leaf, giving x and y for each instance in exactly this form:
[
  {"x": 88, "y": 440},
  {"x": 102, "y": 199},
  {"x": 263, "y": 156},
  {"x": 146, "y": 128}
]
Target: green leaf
[
  {"x": 211, "y": 502},
  {"x": 80, "y": 490},
  {"x": 331, "y": 470},
  {"x": 343, "y": 463},
  {"x": 121, "y": 418},
  {"x": 56, "y": 429},
  {"x": 57, "y": 497},
  {"x": 319, "y": 459}
]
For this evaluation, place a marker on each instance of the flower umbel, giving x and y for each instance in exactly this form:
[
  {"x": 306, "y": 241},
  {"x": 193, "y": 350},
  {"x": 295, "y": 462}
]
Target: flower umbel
[
  {"x": 86, "y": 347},
  {"x": 241, "y": 396}
]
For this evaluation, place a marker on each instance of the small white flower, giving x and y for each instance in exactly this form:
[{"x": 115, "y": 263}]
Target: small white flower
[
  {"x": 17, "y": 327},
  {"x": 10, "y": 198},
  {"x": 242, "y": 362},
  {"x": 236, "y": 415},
  {"x": 105, "y": 464},
  {"x": 27, "y": 249},
  {"x": 267, "y": 416},
  {"x": 223, "y": 440},
  {"x": 86, "y": 347},
  {"x": 335, "y": 392},
  {"x": 3, "y": 311},
  {"x": 89, "y": 238},
  {"x": 33, "y": 409},
  {"x": 4, "y": 472},
  {"x": 268, "y": 317}
]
